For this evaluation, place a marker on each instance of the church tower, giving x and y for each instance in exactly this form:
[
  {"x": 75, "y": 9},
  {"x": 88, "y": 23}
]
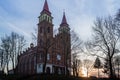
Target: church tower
[
  {"x": 45, "y": 25},
  {"x": 64, "y": 34},
  {"x": 64, "y": 30},
  {"x": 64, "y": 27}
]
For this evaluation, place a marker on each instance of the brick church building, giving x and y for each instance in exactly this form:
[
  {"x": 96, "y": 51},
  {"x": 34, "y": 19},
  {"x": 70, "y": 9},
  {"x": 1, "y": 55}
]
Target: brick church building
[{"x": 54, "y": 50}]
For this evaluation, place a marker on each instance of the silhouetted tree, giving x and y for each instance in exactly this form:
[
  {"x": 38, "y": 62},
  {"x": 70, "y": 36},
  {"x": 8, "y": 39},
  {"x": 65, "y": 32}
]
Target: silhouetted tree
[
  {"x": 17, "y": 44},
  {"x": 5, "y": 46},
  {"x": 11, "y": 46},
  {"x": 106, "y": 37},
  {"x": 2, "y": 60},
  {"x": 88, "y": 65},
  {"x": 117, "y": 65},
  {"x": 97, "y": 64},
  {"x": 76, "y": 67},
  {"x": 76, "y": 48}
]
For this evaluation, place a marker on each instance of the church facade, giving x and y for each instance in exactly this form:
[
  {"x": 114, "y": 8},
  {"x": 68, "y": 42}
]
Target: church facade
[{"x": 55, "y": 51}]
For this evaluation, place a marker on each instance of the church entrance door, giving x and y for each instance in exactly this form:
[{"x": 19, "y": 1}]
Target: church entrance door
[{"x": 48, "y": 70}]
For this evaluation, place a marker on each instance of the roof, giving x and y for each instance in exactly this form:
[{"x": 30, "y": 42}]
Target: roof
[
  {"x": 46, "y": 8},
  {"x": 64, "y": 21}
]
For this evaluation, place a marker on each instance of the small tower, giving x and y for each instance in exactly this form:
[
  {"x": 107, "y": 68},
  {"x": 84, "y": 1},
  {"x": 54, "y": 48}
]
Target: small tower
[
  {"x": 45, "y": 26},
  {"x": 64, "y": 27},
  {"x": 64, "y": 31}
]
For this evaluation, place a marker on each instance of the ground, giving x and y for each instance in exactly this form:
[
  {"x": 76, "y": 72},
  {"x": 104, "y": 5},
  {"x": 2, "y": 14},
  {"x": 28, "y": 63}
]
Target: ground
[{"x": 46, "y": 77}]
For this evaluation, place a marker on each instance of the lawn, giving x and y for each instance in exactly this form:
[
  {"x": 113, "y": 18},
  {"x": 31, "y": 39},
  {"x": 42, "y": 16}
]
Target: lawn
[{"x": 45, "y": 77}]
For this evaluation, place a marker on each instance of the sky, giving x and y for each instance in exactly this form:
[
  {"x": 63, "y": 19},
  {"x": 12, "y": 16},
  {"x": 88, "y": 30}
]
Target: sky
[{"x": 21, "y": 16}]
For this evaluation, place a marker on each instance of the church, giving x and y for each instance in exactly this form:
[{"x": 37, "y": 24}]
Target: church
[{"x": 52, "y": 53}]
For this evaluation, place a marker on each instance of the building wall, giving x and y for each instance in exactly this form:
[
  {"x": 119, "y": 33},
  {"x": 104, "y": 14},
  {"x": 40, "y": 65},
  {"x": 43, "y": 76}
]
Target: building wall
[{"x": 27, "y": 60}]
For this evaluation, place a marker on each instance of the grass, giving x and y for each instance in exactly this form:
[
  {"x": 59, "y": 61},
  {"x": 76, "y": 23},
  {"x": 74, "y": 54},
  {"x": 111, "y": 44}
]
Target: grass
[{"x": 46, "y": 77}]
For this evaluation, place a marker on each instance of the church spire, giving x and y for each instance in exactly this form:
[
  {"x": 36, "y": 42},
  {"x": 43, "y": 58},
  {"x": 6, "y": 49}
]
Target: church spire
[
  {"x": 64, "y": 21},
  {"x": 64, "y": 26},
  {"x": 46, "y": 6}
]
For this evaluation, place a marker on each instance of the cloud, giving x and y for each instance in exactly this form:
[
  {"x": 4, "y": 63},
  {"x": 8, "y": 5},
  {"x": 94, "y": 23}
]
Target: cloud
[
  {"x": 17, "y": 29},
  {"x": 7, "y": 25},
  {"x": 21, "y": 15},
  {"x": 13, "y": 27}
]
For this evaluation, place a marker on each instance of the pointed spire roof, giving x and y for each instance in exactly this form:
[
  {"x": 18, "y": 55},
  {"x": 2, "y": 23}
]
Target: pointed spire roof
[
  {"x": 64, "y": 21},
  {"x": 45, "y": 7}
]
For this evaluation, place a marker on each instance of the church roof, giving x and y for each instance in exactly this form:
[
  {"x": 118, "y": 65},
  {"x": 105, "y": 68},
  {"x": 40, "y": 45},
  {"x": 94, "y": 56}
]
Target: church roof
[
  {"x": 64, "y": 21},
  {"x": 45, "y": 7}
]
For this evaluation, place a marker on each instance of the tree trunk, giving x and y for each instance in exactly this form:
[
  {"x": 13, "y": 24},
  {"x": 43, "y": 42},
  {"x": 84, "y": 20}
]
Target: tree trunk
[
  {"x": 118, "y": 70},
  {"x": 73, "y": 68},
  {"x": 87, "y": 73},
  {"x": 13, "y": 64},
  {"x": 67, "y": 71},
  {"x": 111, "y": 69},
  {"x": 44, "y": 65},
  {"x": 98, "y": 72},
  {"x": 7, "y": 67}
]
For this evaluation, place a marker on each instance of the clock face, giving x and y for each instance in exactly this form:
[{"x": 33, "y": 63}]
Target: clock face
[{"x": 58, "y": 57}]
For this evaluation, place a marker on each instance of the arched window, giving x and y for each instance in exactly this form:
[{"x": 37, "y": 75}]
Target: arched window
[
  {"x": 48, "y": 29},
  {"x": 48, "y": 56},
  {"x": 45, "y": 17},
  {"x": 48, "y": 19},
  {"x": 58, "y": 57}
]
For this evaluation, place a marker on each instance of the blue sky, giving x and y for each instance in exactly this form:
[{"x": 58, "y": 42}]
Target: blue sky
[{"x": 21, "y": 16}]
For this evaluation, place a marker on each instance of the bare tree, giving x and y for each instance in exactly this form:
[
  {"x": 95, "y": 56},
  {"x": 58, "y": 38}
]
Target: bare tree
[
  {"x": 88, "y": 65},
  {"x": 76, "y": 67},
  {"x": 34, "y": 36},
  {"x": 2, "y": 60},
  {"x": 13, "y": 41},
  {"x": 106, "y": 37},
  {"x": 5, "y": 46},
  {"x": 76, "y": 48},
  {"x": 11, "y": 46},
  {"x": 17, "y": 43}
]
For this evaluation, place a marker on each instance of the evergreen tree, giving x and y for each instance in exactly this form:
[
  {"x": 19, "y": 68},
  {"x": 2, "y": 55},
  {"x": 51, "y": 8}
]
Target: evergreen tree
[{"x": 97, "y": 64}]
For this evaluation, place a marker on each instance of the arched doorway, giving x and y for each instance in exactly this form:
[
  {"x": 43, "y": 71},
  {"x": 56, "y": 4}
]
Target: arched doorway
[{"x": 48, "y": 70}]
